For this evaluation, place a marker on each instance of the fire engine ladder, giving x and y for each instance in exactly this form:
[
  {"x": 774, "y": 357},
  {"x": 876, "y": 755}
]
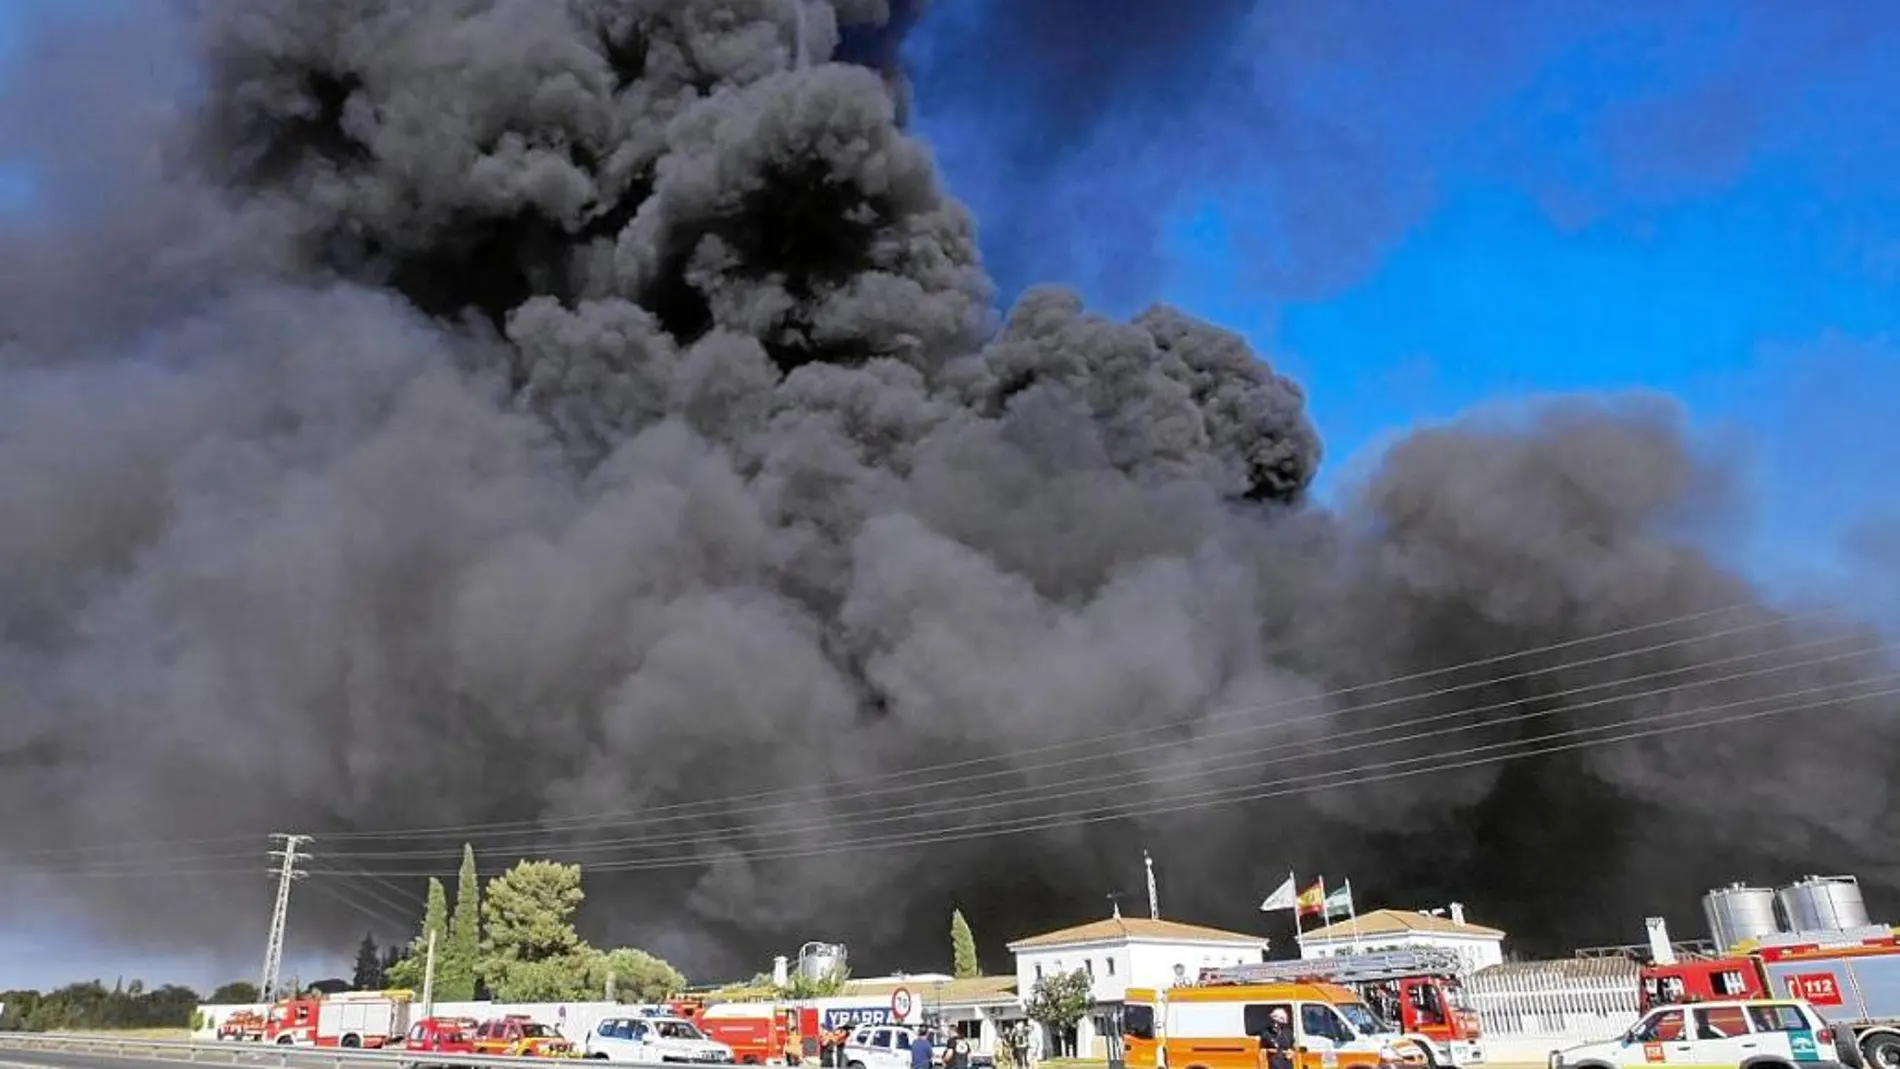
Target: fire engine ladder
[{"x": 1346, "y": 969}]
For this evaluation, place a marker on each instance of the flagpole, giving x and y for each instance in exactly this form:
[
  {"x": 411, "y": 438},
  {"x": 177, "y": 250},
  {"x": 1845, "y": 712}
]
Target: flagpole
[
  {"x": 1298, "y": 929},
  {"x": 1324, "y": 920},
  {"x": 1352, "y": 908}
]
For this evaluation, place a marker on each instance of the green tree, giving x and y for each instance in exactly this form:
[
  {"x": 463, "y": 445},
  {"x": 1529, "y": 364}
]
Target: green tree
[
  {"x": 832, "y": 983},
  {"x": 636, "y": 976},
  {"x": 369, "y": 965},
  {"x": 15, "y": 1006},
  {"x": 1059, "y": 1000},
  {"x": 408, "y": 973},
  {"x": 235, "y": 993},
  {"x": 530, "y": 951},
  {"x": 90, "y": 1007},
  {"x": 457, "y": 963},
  {"x": 963, "y": 964}
]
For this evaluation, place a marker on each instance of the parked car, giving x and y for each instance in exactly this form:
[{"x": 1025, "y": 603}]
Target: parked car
[
  {"x": 1738, "y": 1032},
  {"x": 518, "y": 1036},
  {"x": 883, "y": 1046},
  {"x": 439, "y": 1035},
  {"x": 654, "y": 1040}
]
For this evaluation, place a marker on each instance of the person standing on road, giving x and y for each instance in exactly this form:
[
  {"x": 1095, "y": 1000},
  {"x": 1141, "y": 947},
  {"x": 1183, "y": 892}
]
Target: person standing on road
[
  {"x": 959, "y": 1050},
  {"x": 920, "y": 1050},
  {"x": 833, "y": 1055}
]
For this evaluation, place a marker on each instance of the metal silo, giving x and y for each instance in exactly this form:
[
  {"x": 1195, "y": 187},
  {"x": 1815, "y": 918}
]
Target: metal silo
[
  {"x": 820, "y": 961},
  {"x": 1823, "y": 904},
  {"x": 1739, "y": 912}
]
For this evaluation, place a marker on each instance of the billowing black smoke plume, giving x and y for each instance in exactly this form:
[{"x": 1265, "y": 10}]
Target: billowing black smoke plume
[{"x": 472, "y": 411}]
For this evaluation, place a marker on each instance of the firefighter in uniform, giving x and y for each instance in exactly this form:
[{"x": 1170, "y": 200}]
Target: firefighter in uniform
[{"x": 794, "y": 1053}]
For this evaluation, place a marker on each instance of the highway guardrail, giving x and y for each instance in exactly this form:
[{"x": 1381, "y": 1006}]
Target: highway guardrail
[{"x": 282, "y": 1055}]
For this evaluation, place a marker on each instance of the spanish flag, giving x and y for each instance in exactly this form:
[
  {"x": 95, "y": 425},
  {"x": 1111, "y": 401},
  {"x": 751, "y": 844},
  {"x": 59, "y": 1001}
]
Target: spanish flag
[{"x": 1313, "y": 899}]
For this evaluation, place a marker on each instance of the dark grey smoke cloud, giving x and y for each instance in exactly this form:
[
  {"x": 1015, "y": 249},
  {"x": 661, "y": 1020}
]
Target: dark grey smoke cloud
[{"x": 501, "y": 410}]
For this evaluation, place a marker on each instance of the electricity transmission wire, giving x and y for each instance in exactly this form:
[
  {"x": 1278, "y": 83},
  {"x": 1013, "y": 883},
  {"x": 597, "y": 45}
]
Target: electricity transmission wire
[
  {"x": 1229, "y": 760},
  {"x": 1377, "y": 772},
  {"x": 1433, "y": 762},
  {"x": 689, "y": 811},
  {"x": 1043, "y": 792},
  {"x": 331, "y": 868},
  {"x": 828, "y": 790},
  {"x": 339, "y": 893}
]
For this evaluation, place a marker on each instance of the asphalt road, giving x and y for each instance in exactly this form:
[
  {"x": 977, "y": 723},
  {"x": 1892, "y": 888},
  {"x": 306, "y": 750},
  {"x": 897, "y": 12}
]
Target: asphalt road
[
  {"x": 14, "y": 1057},
  {"x": 65, "y": 1059},
  {"x": 71, "y": 1059}
]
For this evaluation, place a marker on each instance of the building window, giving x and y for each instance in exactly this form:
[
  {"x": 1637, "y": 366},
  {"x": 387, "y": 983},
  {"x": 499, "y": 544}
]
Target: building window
[
  {"x": 1089, "y": 964},
  {"x": 1038, "y": 970},
  {"x": 1111, "y": 965}
]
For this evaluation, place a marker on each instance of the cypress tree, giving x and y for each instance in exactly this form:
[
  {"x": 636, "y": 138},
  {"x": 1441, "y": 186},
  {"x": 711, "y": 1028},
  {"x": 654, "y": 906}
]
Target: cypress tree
[
  {"x": 963, "y": 964},
  {"x": 456, "y": 973}
]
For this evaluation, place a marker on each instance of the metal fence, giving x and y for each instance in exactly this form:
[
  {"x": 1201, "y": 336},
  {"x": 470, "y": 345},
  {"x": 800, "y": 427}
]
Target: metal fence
[
  {"x": 1575, "y": 1000},
  {"x": 264, "y": 1056}
]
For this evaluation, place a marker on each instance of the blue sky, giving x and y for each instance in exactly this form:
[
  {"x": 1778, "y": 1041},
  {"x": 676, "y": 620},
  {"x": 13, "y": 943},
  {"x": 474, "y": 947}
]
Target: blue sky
[{"x": 1420, "y": 209}]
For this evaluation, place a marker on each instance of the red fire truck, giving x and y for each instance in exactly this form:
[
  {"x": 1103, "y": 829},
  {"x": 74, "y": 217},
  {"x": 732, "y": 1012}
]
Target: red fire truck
[
  {"x": 367, "y": 1019},
  {"x": 1851, "y": 978},
  {"x": 243, "y": 1026},
  {"x": 1418, "y": 991},
  {"x": 763, "y": 1033}
]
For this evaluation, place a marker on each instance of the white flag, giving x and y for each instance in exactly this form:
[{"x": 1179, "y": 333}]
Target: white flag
[{"x": 1284, "y": 898}]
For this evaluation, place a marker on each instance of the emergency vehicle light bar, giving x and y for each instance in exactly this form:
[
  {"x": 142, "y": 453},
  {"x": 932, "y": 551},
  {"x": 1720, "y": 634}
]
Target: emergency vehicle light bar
[{"x": 1346, "y": 969}]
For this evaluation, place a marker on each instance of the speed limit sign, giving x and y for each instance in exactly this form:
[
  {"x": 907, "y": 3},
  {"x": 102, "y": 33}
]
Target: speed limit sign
[{"x": 900, "y": 1005}]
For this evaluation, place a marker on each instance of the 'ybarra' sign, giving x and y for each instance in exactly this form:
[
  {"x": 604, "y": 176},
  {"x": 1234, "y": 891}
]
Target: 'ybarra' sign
[{"x": 853, "y": 1016}]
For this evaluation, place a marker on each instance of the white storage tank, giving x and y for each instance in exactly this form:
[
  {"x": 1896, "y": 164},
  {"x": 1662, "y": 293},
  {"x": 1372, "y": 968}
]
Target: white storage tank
[
  {"x": 1823, "y": 904},
  {"x": 820, "y": 961},
  {"x": 1739, "y": 912}
]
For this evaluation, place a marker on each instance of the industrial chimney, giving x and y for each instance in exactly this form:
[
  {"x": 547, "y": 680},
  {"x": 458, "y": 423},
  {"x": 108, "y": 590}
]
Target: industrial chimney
[
  {"x": 1457, "y": 913},
  {"x": 781, "y": 972}
]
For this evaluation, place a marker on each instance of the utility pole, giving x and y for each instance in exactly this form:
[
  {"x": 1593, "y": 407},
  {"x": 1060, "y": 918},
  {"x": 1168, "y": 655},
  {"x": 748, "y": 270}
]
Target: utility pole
[
  {"x": 274, "y": 948},
  {"x": 1154, "y": 899},
  {"x": 428, "y": 978}
]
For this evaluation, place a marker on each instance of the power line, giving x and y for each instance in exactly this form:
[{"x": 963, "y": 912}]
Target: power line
[
  {"x": 338, "y": 892},
  {"x": 532, "y": 826},
  {"x": 536, "y": 826},
  {"x": 1231, "y": 760},
  {"x": 1042, "y": 793},
  {"x": 351, "y": 872},
  {"x": 1555, "y": 742},
  {"x": 1136, "y": 810}
]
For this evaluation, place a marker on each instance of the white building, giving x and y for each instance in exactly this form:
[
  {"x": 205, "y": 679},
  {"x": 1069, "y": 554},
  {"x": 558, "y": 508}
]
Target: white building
[
  {"x": 1395, "y": 929},
  {"x": 1124, "y": 952}
]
